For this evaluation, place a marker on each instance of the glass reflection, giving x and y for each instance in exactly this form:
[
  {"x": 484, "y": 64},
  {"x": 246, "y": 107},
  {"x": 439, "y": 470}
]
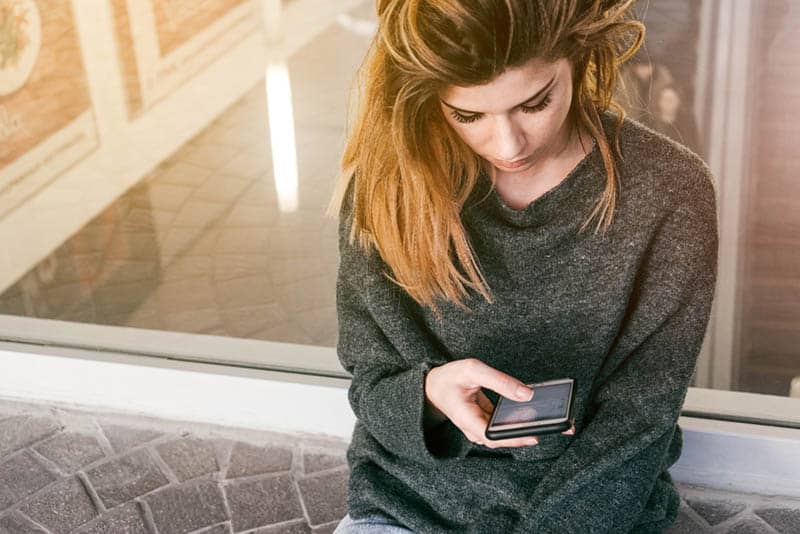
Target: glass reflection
[
  {"x": 281, "y": 122},
  {"x": 179, "y": 183}
]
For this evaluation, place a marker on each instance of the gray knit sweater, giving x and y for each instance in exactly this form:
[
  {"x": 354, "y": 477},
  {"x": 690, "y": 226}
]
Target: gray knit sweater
[{"x": 624, "y": 314}]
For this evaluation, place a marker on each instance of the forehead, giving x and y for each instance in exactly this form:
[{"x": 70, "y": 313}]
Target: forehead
[{"x": 508, "y": 89}]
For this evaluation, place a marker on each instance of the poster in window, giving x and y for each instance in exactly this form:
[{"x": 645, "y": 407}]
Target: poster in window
[
  {"x": 47, "y": 121},
  {"x": 163, "y": 43}
]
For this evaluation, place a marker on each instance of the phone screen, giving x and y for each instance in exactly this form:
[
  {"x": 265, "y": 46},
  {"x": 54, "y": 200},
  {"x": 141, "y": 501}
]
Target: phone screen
[{"x": 548, "y": 402}]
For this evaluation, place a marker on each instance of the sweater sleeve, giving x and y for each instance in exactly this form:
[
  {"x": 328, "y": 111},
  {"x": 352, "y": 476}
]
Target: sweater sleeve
[
  {"x": 602, "y": 482},
  {"x": 388, "y": 352}
]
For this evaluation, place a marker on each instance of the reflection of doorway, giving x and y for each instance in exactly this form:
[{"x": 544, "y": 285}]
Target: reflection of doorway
[
  {"x": 756, "y": 323},
  {"x": 726, "y": 59},
  {"x": 769, "y": 333}
]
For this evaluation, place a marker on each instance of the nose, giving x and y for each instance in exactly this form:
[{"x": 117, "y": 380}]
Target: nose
[{"x": 509, "y": 140}]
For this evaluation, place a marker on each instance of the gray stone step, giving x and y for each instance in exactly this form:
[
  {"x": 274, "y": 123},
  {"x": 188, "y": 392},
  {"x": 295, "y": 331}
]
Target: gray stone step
[{"x": 63, "y": 471}]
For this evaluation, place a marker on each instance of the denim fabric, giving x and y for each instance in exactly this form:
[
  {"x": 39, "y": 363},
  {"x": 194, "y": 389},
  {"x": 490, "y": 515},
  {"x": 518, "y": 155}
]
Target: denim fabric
[{"x": 373, "y": 524}]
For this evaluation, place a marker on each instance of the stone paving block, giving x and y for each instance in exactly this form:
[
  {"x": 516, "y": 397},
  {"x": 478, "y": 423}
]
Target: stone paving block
[
  {"x": 123, "y": 438},
  {"x": 191, "y": 506},
  {"x": 325, "y": 496},
  {"x": 266, "y": 502},
  {"x": 122, "y": 479},
  {"x": 20, "y": 431},
  {"x": 318, "y": 461},
  {"x": 749, "y": 525},
  {"x": 20, "y": 476},
  {"x": 327, "y": 528},
  {"x": 781, "y": 519},
  {"x": 62, "y": 507},
  {"x": 685, "y": 524},
  {"x": 70, "y": 451},
  {"x": 125, "y": 519},
  {"x": 222, "y": 448},
  {"x": 223, "y": 528},
  {"x": 294, "y": 527},
  {"x": 247, "y": 459},
  {"x": 715, "y": 511},
  {"x": 16, "y": 523},
  {"x": 189, "y": 457},
  {"x": 263, "y": 502}
]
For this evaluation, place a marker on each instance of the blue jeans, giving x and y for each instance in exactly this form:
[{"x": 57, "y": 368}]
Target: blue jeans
[{"x": 373, "y": 524}]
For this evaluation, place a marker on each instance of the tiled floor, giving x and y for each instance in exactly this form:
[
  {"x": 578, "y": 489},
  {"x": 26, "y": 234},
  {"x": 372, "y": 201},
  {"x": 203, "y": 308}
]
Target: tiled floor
[{"x": 66, "y": 471}]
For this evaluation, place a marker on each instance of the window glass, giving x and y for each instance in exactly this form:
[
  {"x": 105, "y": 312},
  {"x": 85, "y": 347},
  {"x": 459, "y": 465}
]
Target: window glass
[{"x": 167, "y": 168}]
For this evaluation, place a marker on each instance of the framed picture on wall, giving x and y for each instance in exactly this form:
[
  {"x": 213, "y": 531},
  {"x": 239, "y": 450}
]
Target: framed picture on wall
[
  {"x": 47, "y": 121},
  {"x": 162, "y": 43}
]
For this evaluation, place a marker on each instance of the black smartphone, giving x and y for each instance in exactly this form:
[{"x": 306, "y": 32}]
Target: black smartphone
[{"x": 549, "y": 411}]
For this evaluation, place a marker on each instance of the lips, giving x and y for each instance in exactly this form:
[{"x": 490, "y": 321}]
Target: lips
[{"x": 512, "y": 165}]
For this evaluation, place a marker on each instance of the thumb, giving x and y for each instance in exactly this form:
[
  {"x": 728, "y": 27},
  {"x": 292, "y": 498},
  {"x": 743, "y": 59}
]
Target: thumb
[{"x": 500, "y": 382}]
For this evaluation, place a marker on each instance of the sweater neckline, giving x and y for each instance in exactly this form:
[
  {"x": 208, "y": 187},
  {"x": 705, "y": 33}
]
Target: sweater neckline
[{"x": 555, "y": 203}]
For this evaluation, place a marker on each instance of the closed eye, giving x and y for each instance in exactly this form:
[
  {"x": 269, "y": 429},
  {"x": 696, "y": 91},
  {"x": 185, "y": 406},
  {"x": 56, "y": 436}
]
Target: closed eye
[
  {"x": 465, "y": 119},
  {"x": 538, "y": 107}
]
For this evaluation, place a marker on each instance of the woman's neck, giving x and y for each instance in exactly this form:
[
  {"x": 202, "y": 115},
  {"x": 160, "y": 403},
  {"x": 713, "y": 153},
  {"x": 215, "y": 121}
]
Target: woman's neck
[{"x": 520, "y": 189}]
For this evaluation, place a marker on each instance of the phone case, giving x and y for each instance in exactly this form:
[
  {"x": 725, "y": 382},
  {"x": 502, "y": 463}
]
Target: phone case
[{"x": 539, "y": 430}]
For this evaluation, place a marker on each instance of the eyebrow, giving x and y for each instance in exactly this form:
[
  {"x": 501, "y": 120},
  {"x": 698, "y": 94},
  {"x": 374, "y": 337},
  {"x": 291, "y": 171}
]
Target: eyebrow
[{"x": 539, "y": 92}]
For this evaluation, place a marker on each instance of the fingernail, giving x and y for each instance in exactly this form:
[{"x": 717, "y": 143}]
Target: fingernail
[{"x": 524, "y": 394}]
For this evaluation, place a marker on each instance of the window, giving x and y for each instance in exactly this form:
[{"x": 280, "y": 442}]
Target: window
[{"x": 167, "y": 198}]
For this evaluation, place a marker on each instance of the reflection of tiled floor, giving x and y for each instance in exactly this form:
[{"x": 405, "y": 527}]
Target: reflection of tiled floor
[
  {"x": 200, "y": 244},
  {"x": 63, "y": 471}
]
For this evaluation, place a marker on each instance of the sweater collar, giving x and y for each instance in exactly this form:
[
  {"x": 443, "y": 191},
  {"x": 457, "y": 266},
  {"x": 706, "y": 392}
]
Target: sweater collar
[{"x": 556, "y": 204}]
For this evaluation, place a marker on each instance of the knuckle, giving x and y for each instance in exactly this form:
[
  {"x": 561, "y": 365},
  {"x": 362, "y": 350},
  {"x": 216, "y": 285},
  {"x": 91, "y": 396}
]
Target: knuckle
[
  {"x": 471, "y": 364},
  {"x": 509, "y": 383}
]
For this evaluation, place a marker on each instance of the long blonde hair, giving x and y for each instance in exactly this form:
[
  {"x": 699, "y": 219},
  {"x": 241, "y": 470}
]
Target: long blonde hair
[{"x": 410, "y": 171}]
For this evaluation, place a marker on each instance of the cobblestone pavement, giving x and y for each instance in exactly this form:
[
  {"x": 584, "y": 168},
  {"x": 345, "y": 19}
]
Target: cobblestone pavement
[{"x": 67, "y": 471}]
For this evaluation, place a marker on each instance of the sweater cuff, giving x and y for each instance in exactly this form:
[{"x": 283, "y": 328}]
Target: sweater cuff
[
  {"x": 445, "y": 440},
  {"x": 402, "y": 430}
]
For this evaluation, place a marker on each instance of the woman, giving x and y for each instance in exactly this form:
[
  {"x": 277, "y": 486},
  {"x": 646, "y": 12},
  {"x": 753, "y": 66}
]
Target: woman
[{"x": 492, "y": 236}]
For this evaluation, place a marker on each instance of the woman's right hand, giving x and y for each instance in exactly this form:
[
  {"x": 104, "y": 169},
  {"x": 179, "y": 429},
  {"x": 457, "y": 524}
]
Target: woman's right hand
[{"x": 454, "y": 389}]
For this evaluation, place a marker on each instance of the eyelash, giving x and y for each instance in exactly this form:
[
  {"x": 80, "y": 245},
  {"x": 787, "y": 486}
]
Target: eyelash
[{"x": 525, "y": 109}]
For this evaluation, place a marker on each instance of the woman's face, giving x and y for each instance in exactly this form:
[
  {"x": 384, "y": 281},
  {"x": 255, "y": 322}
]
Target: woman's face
[{"x": 518, "y": 121}]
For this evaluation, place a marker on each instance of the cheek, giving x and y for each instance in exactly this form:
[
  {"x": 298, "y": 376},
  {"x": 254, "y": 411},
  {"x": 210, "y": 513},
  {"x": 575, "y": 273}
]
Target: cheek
[
  {"x": 555, "y": 119},
  {"x": 473, "y": 135}
]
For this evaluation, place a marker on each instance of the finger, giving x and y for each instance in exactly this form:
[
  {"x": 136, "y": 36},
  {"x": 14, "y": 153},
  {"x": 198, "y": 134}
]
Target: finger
[
  {"x": 523, "y": 441},
  {"x": 472, "y": 421},
  {"x": 484, "y": 402},
  {"x": 506, "y": 385},
  {"x": 475, "y": 420},
  {"x": 571, "y": 431}
]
